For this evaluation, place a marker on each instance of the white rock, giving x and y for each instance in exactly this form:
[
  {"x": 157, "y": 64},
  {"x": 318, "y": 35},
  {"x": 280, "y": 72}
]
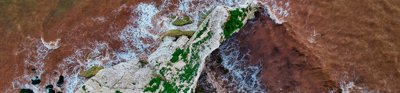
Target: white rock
[
  {"x": 165, "y": 50},
  {"x": 126, "y": 77},
  {"x": 129, "y": 77}
]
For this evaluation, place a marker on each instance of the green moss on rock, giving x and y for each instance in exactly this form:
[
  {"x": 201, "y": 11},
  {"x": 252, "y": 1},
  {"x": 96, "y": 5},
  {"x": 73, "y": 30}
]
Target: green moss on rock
[
  {"x": 175, "y": 55},
  {"x": 177, "y": 33},
  {"x": 91, "y": 72},
  {"x": 202, "y": 31},
  {"x": 118, "y": 91},
  {"x": 190, "y": 55},
  {"x": 182, "y": 21},
  {"x": 234, "y": 22},
  {"x": 153, "y": 85}
]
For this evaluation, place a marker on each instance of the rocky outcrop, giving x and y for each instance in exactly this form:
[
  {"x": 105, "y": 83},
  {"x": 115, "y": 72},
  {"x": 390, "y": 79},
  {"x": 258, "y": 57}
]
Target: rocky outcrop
[
  {"x": 182, "y": 21},
  {"x": 131, "y": 77},
  {"x": 177, "y": 64},
  {"x": 126, "y": 77},
  {"x": 91, "y": 72}
]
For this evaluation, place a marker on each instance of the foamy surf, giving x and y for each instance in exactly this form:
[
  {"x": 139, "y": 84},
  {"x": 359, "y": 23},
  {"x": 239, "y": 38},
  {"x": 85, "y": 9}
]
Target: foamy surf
[
  {"x": 35, "y": 60},
  {"x": 277, "y": 10},
  {"x": 133, "y": 47},
  {"x": 245, "y": 78},
  {"x": 133, "y": 34},
  {"x": 131, "y": 37},
  {"x": 51, "y": 44}
]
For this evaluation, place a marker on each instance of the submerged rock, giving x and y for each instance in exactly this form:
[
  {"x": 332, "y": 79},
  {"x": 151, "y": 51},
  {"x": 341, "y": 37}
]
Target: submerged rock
[
  {"x": 177, "y": 33},
  {"x": 91, "y": 72},
  {"x": 50, "y": 89},
  {"x": 35, "y": 80},
  {"x": 182, "y": 21},
  {"x": 26, "y": 91},
  {"x": 60, "y": 81}
]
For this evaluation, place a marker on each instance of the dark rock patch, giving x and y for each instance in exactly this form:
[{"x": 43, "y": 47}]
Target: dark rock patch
[
  {"x": 50, "y": 89},
  {"x": 60, "y": 81},
  {"x": 26, "y": 91},
  {"x": 35, "y": 80}
]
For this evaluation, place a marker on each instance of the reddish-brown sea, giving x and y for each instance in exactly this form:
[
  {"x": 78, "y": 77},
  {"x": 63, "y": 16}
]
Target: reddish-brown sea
[{"x": 321, "y": 46}]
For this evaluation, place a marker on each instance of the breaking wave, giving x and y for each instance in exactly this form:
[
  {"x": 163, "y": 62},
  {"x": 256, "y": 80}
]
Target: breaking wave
[{"x": 245, "y": 78}]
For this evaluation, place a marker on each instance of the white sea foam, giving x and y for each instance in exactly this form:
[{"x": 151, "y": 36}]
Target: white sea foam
[
  {"x": 51, "y": 44},
  {"x": 34, "y": 59},
  {"x": 277, "y": 10},
  {"x": 132, "y": 34},
  {"x": 100, "y": 19},
  {"x": 131, "y": 39},
  {"x": 244, "y": 78},
  {"x": 184, "y": 5},
  {"x": 100, "y": 55}
]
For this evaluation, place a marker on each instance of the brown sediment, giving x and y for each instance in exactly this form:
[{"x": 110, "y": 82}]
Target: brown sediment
[
  {"x": 24, "y": 23},
  {"x": 286, "y": 65},
  {"x": 325, "y": 46},
  {"x": 322, "y": 44},
  {"x": 18, "y": 23},
  {"x": 355, "y": 41}
]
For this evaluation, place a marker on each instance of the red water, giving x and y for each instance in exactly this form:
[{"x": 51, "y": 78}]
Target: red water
[
  {"x": 78, "y": 25},
  {"x": 322, "y": 45},
  {"x": 325, "y": 46}
]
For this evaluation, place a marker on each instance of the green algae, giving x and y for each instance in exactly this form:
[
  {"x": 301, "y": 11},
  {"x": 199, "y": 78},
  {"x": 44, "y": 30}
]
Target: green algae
[
  {"x": 162, "y": 71},
  {"x": 91, "y": 72},
  {"x": 189, "y": 72},
  {"x": 153, "y": 85},
  {"x": 175, "y": 55},
  {"x": 209, "y": 34},
  {"x": 118, "y": 91},
  {"x": 202, "y": 31},
  {"x": 184, "y": 54},
  {"x": 182, "y": 21},
  {"x": 190, "y": 55},
  {"x": 234, "y": 22},
  {"x": 169, "y": 88},
  {"x": 190, "y": 69}
]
